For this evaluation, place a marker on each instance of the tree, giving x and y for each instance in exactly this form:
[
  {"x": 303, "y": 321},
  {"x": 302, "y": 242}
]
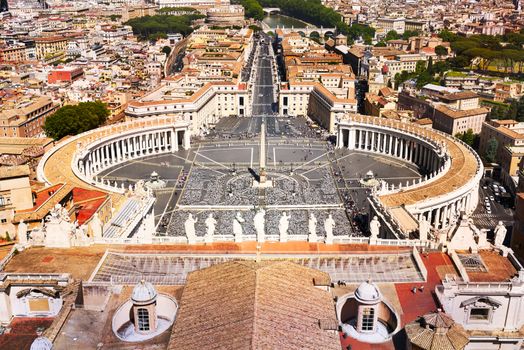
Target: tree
[
  {"x": 430, "y": 65},
  {"x": 253, "y": 9},
  {"x": 380, "y": 44},
  {"x": 467, "y": 137},
  {"x": 491, "y": 150},
  {"x": 166, "y": 50},
  {"x": 446, "y": 35},
  {"x": 114, "y": 17},
  {"x": 441, "y": 51},
  {"x": 392, "y": 35},
  {"x": 255, "y": 28},
  {"x": 420, "y": 67},
  {"x": 516, "y": 110},
  {"x": 154, "y": 27},
  {"x": 409, "y": 33},
  {"x": 72, "y": 120},
  {"x": 402, "y": 77},
  {"x": 459, "y": 61}
]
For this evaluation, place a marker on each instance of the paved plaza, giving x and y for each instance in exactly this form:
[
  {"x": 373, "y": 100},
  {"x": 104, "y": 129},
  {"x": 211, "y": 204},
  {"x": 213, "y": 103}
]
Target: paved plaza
[
  {"x": 217, "y": 174},
  {"x": 172, "y": 269}
]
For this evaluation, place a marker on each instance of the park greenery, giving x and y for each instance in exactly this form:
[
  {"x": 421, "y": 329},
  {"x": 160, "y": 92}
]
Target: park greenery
[
  {"x": 469, "y": 138},
  {"x": 514, "y": 110},
  {"x": 252, "y": 9},
  {"x": 73, "y": 120},
  {"x": 487, "y": 52},
  {"x": 425, "y": 73},
  {"x": 393, "y": 35},
  {"x": 158, "y": 26}
]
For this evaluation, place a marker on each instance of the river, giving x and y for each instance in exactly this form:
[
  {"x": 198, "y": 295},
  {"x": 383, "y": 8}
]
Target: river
[{"x": 279, "y": 20}]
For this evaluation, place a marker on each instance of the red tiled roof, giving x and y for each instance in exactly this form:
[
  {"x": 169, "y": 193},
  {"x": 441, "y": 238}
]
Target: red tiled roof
[
  {"x": 23, "y": 332},
  {"x": 421, "y": 303},
  {"x": 43, "y": 195}
]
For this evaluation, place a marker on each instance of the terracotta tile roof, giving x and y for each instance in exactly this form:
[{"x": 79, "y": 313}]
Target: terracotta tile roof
[
  {"x": 462, "y": 113},
  {"x": 23, "y": 332},
  {"x": 7, "y": 172},
  {"x": 250, "y": 305},
  {"x": 499, "y": 268},
  {"x": 460, "y": 95},
  {"x": 436, "y": 331}
]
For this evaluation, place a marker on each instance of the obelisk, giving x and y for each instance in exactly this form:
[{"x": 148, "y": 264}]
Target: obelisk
[
  {"x": 263, "y": 181},
  {"x": 262, "y": 173}
]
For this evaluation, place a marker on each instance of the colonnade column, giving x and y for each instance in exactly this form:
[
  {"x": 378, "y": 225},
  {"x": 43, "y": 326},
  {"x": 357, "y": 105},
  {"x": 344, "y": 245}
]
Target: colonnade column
[
  {"x": 187, "y": 139},
  {"x": 395, "y": 142},
  {"x": 351, "y": 138}
]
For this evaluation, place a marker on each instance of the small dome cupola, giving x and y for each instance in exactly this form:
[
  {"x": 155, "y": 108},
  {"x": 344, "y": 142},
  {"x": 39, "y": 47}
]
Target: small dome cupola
[
  {"x": 144, "y": 293},
  {"x": 367, "y": 293}
]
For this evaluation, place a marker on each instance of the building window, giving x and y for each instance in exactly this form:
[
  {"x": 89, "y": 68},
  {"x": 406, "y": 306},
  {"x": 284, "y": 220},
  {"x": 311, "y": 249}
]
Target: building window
[
  {"x": 479, "y": 314},
  {"x": 143, "y": 319},
  {"x": 368, "y": 318}
]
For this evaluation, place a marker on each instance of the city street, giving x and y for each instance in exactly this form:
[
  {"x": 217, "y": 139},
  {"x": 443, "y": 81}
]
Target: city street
[
  {"x": 263, "y": 87},
  {"x": 488, "y": 220}
]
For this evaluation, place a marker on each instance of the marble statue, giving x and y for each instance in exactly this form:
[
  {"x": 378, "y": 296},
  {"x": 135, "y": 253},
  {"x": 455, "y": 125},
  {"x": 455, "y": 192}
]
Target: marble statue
[
  {"x": 423, "y": 229},
  {"x": 374, "y": 228},
  {"x": 37, "y": 236},
  {"x": 22, "y": 233},
  {"x": 283, "y": 226},
  {"x": 463, "y": 235},
  {"x": 312, "y": 228},
  {"x": 237, "y": 227},
  {"x": 500, "y": 234},
  {"x": 140, "y": 189},
  {"x": 79, "y": 235},
  {"x": 329, "y": 224},
  {"x": 58, "y": 229},
  {"x": 482, "y": 236},
  {"x": 96, "y": 226},
  {"x": 189, "y": 226},
  {"x": 210, "y": 225},
  {"x": 259, "y": 222}
]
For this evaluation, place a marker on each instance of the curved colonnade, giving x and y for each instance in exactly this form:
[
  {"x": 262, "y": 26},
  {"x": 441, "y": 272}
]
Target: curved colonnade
[
  {"x": 94, "y": 151},
  {"x": 452, "y": 170}
]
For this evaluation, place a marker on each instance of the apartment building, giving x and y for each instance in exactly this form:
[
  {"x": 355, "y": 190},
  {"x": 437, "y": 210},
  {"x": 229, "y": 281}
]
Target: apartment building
[
  {"x": 316, "y": 101},
  {"x": 15, "y": 194},
  {"x": 450, "y": 110},
  {"x": 50, "y": 46},
  {"x": 26, "y": 118},
  {"x": 201, "y": 103},
  {"x": 509, "y": 135}
]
